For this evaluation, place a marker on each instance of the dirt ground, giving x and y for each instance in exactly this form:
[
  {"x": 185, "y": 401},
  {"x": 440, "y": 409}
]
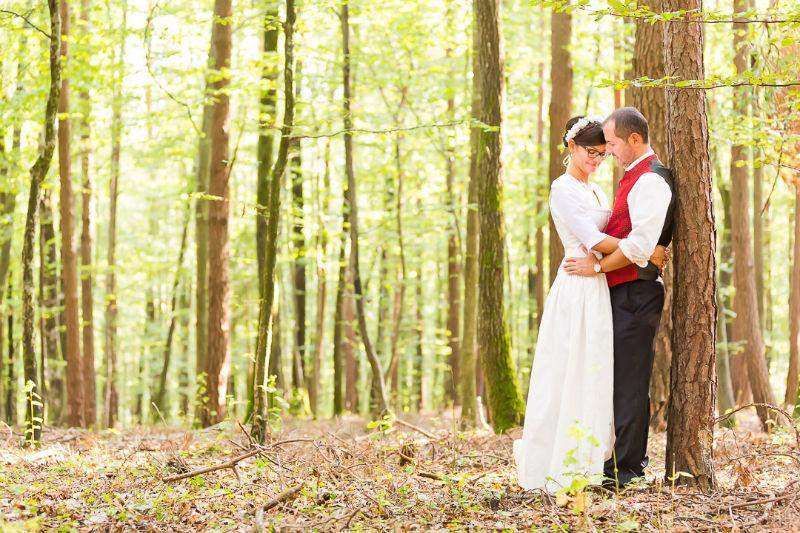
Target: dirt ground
[{"x": 332, "y": 475}]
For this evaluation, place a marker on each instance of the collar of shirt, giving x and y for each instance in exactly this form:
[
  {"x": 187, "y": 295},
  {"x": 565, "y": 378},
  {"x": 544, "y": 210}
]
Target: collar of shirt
[{"x": 641, "y": 158}]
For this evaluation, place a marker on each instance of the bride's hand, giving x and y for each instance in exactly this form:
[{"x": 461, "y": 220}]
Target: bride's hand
[
  {"x": 660, "y": 257},
  {"x": 581, "y": 266}
]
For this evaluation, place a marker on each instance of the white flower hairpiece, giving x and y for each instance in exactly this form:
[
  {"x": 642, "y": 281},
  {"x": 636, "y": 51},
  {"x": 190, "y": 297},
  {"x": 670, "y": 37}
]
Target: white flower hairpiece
[{"x": 578, "y": 126}]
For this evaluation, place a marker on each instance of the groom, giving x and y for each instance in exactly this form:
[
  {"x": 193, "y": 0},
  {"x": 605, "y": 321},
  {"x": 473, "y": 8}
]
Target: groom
[{"x": 642, "y": 218}]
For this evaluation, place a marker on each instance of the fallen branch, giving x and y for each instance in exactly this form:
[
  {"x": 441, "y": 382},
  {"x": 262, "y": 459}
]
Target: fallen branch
[
  {"x": 415, "y": 428},
  {"x": 283, "y": 496}
]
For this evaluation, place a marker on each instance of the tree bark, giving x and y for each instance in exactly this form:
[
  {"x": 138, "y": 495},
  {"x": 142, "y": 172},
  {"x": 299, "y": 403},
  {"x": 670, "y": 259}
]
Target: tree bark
[
  {"x": 692, "y": 376},
  {"x": 746, "y": 325},
  {"x": 560, "y": 109},
  {"x": 275, "y": 180},
  {"x": 48, "y": 306},
  {"x": 218, "y": 339},
  {"x": 469, "y": 324},
  {"x": 503, "y": 399},
  {"x": 69, "y": 262},
  {"x": 299, "y": 378},
  {"x": 33, "y": 417},
  {"x": 87, "y": 299},
  {"x": 111, "y": 396},
  {"x": 381, "y": 403}
]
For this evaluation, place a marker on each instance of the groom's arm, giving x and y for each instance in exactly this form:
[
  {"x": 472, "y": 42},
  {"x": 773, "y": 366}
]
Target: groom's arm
[{"x": 648, "y": 202}]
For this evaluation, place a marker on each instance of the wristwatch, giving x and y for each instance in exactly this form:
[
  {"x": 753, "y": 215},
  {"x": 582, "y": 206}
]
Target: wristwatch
[{"x": 597, "y": 268}]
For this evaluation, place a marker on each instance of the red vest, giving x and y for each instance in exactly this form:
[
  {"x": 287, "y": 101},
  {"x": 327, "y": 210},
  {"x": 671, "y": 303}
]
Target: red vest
[{"x": 619, "y": 224}]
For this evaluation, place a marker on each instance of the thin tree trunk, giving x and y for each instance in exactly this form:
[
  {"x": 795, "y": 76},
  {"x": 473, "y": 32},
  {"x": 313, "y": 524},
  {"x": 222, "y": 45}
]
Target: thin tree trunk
[
  {"x": 87, "y": 301},
  {"x": 724, "y": 386},
  {"x": 173, "y": 317},
  {"x": 746, "y": 325},
  {"x": 791, "y": 396},
  {"x": 538, "y": 282},
  {"x": 560, "y": 109},
  {"x": 218, "y": 339},
  {"x": 275, "y": 180},
  {"x": 691, "y": 402},
  {"x": 503, "y": 399},
  {"x": 111, "y": 395},
  {"x": 468, "y": 384},
  {"x": 48, "y": 308},
  {"x": 322, "y": 285},
  {"x": 266, "y": 122},
  {"x": 33, "y": 417},
  {"x": 381, "y": 404},
  {"x": 400, "y": 294},
  {"x": 338, "y": 327},
  {"x": 298, "y": 242},
  {"x": 184, "y": 384},
  {"x": 352, "y": 366}
]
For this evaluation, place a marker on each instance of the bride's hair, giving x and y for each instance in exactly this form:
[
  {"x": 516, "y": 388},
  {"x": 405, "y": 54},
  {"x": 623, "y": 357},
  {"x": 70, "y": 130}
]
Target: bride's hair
[{"x": 589, "y": 135}]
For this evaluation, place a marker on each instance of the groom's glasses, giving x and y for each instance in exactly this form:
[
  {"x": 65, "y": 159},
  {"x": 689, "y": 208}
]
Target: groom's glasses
[{"x": 596, "y": 154}]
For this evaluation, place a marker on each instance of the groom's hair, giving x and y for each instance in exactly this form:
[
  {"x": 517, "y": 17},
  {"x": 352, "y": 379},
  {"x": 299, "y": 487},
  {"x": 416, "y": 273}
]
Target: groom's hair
[{"x": 628, "y": 120}]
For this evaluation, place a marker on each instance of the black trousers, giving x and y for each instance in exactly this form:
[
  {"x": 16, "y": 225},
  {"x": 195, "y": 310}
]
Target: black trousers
[{"x": 636, "y": 309}]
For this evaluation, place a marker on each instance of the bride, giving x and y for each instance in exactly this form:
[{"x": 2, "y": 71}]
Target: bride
[{"x": 568, "y": 429}]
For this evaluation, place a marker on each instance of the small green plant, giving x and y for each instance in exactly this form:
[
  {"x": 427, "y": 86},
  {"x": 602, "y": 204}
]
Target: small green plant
[{"x": 34, "y": 422}]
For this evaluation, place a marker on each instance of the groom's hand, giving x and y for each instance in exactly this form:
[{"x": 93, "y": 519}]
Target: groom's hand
[{"x": 581, "y": 266}]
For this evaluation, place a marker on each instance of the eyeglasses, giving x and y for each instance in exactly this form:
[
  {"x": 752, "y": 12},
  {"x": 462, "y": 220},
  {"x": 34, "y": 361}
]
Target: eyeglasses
[{"x": 595, "y": 154}]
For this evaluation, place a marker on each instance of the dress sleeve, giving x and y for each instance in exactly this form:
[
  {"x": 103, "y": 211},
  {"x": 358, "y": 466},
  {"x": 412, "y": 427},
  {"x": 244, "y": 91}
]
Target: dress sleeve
[
  {"x": 648, "y": 201},
  {"x": 566, "y": 204}
]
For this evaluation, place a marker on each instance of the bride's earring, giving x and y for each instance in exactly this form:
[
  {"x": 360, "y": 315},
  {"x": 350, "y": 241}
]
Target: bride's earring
[{"x": 566, "y": 160}]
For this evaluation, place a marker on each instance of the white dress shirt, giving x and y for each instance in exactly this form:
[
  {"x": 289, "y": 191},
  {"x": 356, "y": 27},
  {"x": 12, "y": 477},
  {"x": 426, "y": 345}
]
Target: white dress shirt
[{"x": 648, "y": 201}]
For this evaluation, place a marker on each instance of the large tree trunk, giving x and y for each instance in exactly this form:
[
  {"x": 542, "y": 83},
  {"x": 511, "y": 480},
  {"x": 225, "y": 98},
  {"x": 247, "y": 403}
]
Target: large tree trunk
[
  {"x": 794, "y": 311},
  {"x": 648, "y": 60},
  {"x": 504, "y": 399},
  {"x": 33, "y": 417},
  {"x": 560, "y": 109},
  {"x": 380, "y": 405},
  {"x": 273, "y": 210},
  {"x": 111, "y": 399},
  {"x": 69, "y": 262},
  {"x": 218, "y": 340},
  {"x": 87, "y": 300},
  {"x": 469, "y": 324},
  {"x": 746, "y": 325},
  {"x": 691, "y": 402}
]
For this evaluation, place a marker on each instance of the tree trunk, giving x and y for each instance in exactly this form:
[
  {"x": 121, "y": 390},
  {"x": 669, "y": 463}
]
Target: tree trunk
[
  {"x": 338, "y": 328},
  {"x": 746, "y": 325},
  {"x": 173, "y": 317},
  {"x": 48, "y": 306},
  {"x": 691, "y": 401},
  {"x": 560, "y": 109},
  {"x": 468, "y": 380},
  {"x": 298, "y": 241},
  {"x": 266, "y": 122},
  {"x": 322, "y": 285},
  {"x": 538, "y": 282},
  {"x": 400, "y": 294},
  {"x": 453, "y": 246},
  {"x": 89, "y": 409},
  {"x": 111, "y": 397},
  {"x": 69, "y": 262},
  {"x": 218, "y": 345},
  {"x": 794, "y": 311},
  {"x": 275, "y": 180},
  {"x": 33, "y": 416},
  {"x": 352, "y": 366},
  {"x": 381, "y": 404},
  {"x": 503, "y": 398}
]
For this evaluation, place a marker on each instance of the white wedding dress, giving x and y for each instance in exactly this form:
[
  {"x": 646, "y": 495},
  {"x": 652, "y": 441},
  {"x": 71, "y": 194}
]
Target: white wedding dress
[{"x": 568, "y": 428}]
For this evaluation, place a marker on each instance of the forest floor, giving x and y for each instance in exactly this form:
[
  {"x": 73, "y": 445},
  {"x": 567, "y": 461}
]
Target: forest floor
[{"x": 331, "y": 475}]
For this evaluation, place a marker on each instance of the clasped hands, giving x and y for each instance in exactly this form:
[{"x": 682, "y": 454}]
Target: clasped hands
[{"x": 584, "y": 266}]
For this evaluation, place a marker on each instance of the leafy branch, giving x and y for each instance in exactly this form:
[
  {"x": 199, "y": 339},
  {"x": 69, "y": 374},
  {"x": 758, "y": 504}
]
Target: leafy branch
[{"x": 631, "y": 10}]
